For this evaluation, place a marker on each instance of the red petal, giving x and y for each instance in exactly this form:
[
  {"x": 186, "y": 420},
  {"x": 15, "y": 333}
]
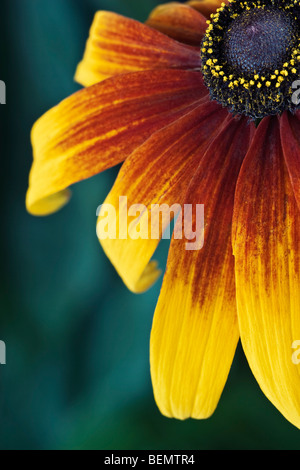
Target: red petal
[
  {"x": 290, "y": 138},
  {"x": 180, "y": 22},
  {"x": 266, "y": 236},
  {"x": 158, "y": 172}
]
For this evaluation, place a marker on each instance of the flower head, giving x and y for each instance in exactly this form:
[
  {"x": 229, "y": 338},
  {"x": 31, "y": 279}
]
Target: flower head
[{"x": 178, "y": 101}]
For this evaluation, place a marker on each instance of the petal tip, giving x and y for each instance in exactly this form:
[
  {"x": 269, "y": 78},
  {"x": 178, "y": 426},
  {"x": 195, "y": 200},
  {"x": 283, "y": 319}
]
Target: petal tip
[{"x": 48, "y": 205}]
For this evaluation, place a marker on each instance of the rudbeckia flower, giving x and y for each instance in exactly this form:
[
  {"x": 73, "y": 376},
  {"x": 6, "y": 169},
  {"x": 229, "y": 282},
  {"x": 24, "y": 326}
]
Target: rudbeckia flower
[{"x": 199, "y": 104}]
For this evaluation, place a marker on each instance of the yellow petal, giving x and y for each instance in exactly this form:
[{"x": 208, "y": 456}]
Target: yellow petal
[
  {"x": 158, "y": 172},
  {"x": 290, "y": 137},
  {"x": 195, "y": 330},
  {"x": 266, "y": 238}
]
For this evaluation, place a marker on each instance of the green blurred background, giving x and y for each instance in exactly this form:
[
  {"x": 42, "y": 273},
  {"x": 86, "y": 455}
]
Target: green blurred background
[{"x": 77, "y": 373}]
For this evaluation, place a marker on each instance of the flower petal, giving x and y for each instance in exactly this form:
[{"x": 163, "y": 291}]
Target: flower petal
[
  {"x": 121, "y": 45},
  {"x": 180, "y": 22},
  {"x": 100, "y": 126},
  {"x": 158, "y": 172},
  {"x": 290, "y": 137},
  {"x": 206, "y": 7},
  {"x": 266, "y": 235},
  {"x": 195, "y": 329}
]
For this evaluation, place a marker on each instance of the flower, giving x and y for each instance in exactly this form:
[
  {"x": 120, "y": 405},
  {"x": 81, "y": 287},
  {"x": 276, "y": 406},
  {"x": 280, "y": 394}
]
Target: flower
[{"x": 218, "y": 128}]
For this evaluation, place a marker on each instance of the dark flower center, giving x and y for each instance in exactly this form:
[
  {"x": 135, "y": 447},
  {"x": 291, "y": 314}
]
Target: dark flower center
[
  {"x": 258, "y": 40},
  {"x": 251, "y": 56}
]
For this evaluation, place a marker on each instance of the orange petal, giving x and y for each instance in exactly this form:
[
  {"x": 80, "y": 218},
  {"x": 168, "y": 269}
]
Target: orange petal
[
  {"x": 195, "y": 330},
  {"x": 290, "y": 137},
  {"x": 180, "y": 22},
  {"x": 121, "y": 45},
  {"x": 99, "y": 127},
  {"x": 158, "y": 172},
  {"x": 266, "y": 236},
  {"x": 206, "y": 7}
]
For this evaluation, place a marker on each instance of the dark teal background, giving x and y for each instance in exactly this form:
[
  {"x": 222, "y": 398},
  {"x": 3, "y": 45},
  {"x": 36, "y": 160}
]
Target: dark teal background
[{"x": 77, "y": 373}]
